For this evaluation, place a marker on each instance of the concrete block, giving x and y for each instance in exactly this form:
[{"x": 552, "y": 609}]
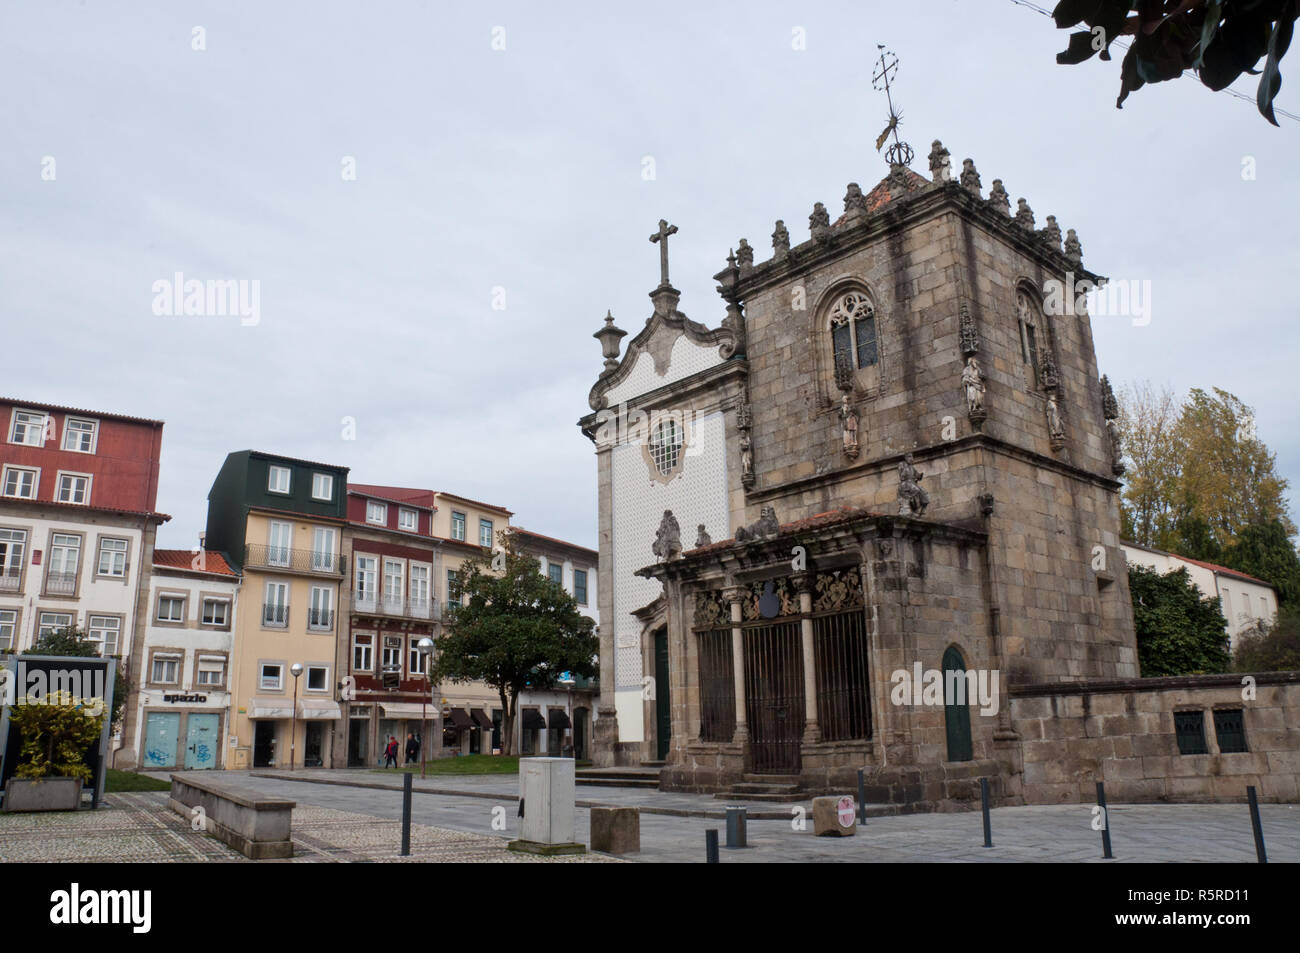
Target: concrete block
[{"x": 616, "y": 830}]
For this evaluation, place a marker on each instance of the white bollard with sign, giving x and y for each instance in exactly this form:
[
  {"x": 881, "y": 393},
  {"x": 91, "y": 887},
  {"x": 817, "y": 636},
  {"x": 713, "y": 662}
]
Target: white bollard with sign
[{"x": 546, "y": 792}]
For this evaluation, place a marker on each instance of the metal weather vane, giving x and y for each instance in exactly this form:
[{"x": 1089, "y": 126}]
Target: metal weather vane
[{"x": 900, "y": 153}]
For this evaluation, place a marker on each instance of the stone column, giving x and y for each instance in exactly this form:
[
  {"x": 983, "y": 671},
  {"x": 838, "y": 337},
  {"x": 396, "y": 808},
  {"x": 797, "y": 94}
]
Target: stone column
[
  {"x": 605, "y": 738},
  {"x": 812, "y": 732},
  {"x": 733, "y": 595}
]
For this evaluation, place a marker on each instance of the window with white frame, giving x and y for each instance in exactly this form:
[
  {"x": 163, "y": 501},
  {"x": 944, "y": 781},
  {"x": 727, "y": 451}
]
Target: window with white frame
[
  {"x": 485, "y": 535},
  {"x": 73, "y": 488},
  {"x": 321, "y": 615},
  {"x": 28, "y": 428},
  {"x": 407, "y": 520},
  {"x": 270, "y": 677},
  {"x": 458, "y": 526},
  {"x": 65, "y": 557},
  {"x": 49, "y": 623},
  {"x": 106, "y": 632},
  {"x": 166, "y": 669},
  {"x": 8, "y": 628},
  {"x": 211, "y": 671},
  {"x": 275, "y": 610},
  {"x": 318, "y": 678},
  {"x": 216, "y": 612},
  {"x": 453, "y": 586},
  {"x": 322, "y": 486},
  {"x": 280, "y": 539},
  {"x": 580, "y": 586},
  {"x": 363, "y": 652},
  {"x": 419, "y": 585},
  {"x": 367, "y": 573},
  {"x": 171, "y": 608},
  {"x": 79, "y": 434},
  {"x": 13, "y": 543},
  {"x": 376, "y": 513},
  {"x": 322, "y": 549},
  {"x": 21, "y": 482},
  {"x": 416, "y": 658},
  {"x": 392, "y": 652},
  {"x": 277, "y": 480},
  {"x": 394, "y": 570},
  {"x": 112, "y": 557}
]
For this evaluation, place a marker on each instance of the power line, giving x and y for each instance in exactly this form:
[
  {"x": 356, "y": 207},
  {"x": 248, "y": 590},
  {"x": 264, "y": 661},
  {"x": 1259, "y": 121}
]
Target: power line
[{"x": 1124, "y": 46}]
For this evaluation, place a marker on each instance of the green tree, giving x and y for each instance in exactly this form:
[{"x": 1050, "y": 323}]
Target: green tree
[
  {"x": 518, "y": 630},
  {"x": 74, "y": 642},
  {"x": 1179, "y": 632},
  {"x": 55, "y": 735},
  {"x": 1270, "y": 647},
  {"x": 1219, "y": 39},
  {"x": 1265, "y": 552},
  {"x": 1147, "y": 419}
]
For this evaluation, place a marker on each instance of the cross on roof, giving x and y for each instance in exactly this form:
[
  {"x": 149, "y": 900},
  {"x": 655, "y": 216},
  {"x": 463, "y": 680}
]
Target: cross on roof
[{"x": 661, "y": 239}]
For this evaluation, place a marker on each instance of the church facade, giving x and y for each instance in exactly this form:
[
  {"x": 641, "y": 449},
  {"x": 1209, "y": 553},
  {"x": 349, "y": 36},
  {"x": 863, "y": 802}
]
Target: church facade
[{"x": 869, "y": 514}]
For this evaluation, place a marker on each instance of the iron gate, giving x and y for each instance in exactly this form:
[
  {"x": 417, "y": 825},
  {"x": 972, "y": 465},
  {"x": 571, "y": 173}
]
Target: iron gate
[{"x": 774, "y": 698}]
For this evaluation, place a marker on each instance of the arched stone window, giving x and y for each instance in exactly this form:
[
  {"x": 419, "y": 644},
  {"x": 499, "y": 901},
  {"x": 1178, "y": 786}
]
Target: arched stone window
[
  {"x": 852, "y": 323},
  {"x": 1030, "y": 316}
]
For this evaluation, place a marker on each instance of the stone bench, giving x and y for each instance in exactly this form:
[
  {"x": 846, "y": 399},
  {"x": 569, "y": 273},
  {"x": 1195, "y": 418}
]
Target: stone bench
[{"x": 255, "y": 825}]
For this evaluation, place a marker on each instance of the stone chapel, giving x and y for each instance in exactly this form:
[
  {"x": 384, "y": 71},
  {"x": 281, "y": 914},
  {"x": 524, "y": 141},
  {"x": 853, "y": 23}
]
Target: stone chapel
[{"x": 887, "y": 459}]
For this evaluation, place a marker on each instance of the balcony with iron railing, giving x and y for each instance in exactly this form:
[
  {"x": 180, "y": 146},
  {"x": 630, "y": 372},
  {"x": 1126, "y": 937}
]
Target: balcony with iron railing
[
  {"x": 374, "y": 603},
  {"x": 285, "y": 559},
  {"x": 320, "y": 620},
  {"x": 60, "y": 583},
  {"x": 11, "y": 579},
  {"x": 275, "y": 616}
]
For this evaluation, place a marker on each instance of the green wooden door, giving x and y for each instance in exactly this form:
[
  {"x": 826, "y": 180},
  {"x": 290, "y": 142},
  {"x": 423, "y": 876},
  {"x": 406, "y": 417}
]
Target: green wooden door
[
  {"x": 663, "y": 712},
  {"x": 956, "y": 714}
]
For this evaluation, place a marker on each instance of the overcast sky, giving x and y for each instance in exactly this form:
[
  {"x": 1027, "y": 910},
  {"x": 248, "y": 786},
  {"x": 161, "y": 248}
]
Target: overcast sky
[{"x": 521, "y": 169}]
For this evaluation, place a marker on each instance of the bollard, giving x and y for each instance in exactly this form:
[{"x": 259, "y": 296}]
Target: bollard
[
  {"x": 711, "y": 846},
  {"x": 1255, "y": 826},
  {"x": 1105, "y": 822},
  {"x": 862, "y": 798},
  {"x": 984, "y": 799},
  {"x": 406, "y": 814},
  {"x": 736, "y": 824}
]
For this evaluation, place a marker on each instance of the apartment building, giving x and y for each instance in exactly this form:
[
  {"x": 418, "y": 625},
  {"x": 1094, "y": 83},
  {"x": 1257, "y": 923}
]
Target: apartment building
[
  {"x": 560, "y": 722},
  {"x": 279, "y": 522},
  {"x": 182, "y": 694},
  {"x": 391, "y": 605},
  {"x": 78, "y": 490}
]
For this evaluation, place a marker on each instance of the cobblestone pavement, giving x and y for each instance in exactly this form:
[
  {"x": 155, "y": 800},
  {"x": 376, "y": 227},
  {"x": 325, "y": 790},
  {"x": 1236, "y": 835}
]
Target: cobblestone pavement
[{"x": 139, "y": 828}]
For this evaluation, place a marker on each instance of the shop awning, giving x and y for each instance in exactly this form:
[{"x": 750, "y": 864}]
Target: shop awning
[
  {"x": 320, "y": 709},
  {"x": 458, "y": 718},
  {"x": 408, "y": 710},
  {"x": 270, "y": 707},
  {"x": 557, "y": 718},
  {"x": 481, "y": 718},
  {"x": 533, "y": 719}
]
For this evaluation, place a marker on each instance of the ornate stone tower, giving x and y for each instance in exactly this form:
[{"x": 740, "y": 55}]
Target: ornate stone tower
[{"x": 902, "y": 429}]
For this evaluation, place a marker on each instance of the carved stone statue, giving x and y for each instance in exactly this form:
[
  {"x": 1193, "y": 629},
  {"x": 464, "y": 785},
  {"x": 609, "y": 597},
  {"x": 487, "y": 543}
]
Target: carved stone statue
[
  {"x": 912, "y": 500},
  {"x": 703, "y": 539},
  {"x": 1054, "y": 426},
  {"x": 780, "y": 241},
  {"x": 967, "y": 333},
  {"x": 766, "y": 525},
  {"x": 1024, "y": 215},
  {"x": 972, "y": 380},
  {"x": 1116, "y": 447},
  {"x": 940, "y": 163},
  {"x": 819, "y": 222},
  {"x": 1052, "y": 233},
  {"x": 746, "y": 457},
  {"x": 849, "y": 427},
  {"x": 1073, "y": 250},
  {"x": 970, "y": 179},
  {"x": 998, "y": 198},
  {"x": 668, "y": 539},
  {"x": 745, "y": 257},
  {"x": 855, "y": 203}
]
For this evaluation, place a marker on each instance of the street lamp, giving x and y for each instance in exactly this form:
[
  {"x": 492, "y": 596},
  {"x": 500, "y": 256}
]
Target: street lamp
[
  {"x": 425, "y": 648},
  {"x": 296, "y": 669}
]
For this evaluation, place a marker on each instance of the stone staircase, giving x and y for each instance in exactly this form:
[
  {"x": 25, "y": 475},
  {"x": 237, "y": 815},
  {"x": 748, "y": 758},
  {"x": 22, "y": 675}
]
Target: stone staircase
[
  {"x": 644, "y": 776},
  {"x": 764, "y": 787}
]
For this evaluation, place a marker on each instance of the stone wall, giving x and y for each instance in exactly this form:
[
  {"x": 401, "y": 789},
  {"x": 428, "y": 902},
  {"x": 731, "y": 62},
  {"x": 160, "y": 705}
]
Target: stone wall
[{"x": 1122, "y": 733}]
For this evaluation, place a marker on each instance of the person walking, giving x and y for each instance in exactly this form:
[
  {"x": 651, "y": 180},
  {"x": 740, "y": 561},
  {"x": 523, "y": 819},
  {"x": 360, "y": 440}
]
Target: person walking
[
  {"x": 390, "y": 752},
  {"x": 412, "y": 748}
]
